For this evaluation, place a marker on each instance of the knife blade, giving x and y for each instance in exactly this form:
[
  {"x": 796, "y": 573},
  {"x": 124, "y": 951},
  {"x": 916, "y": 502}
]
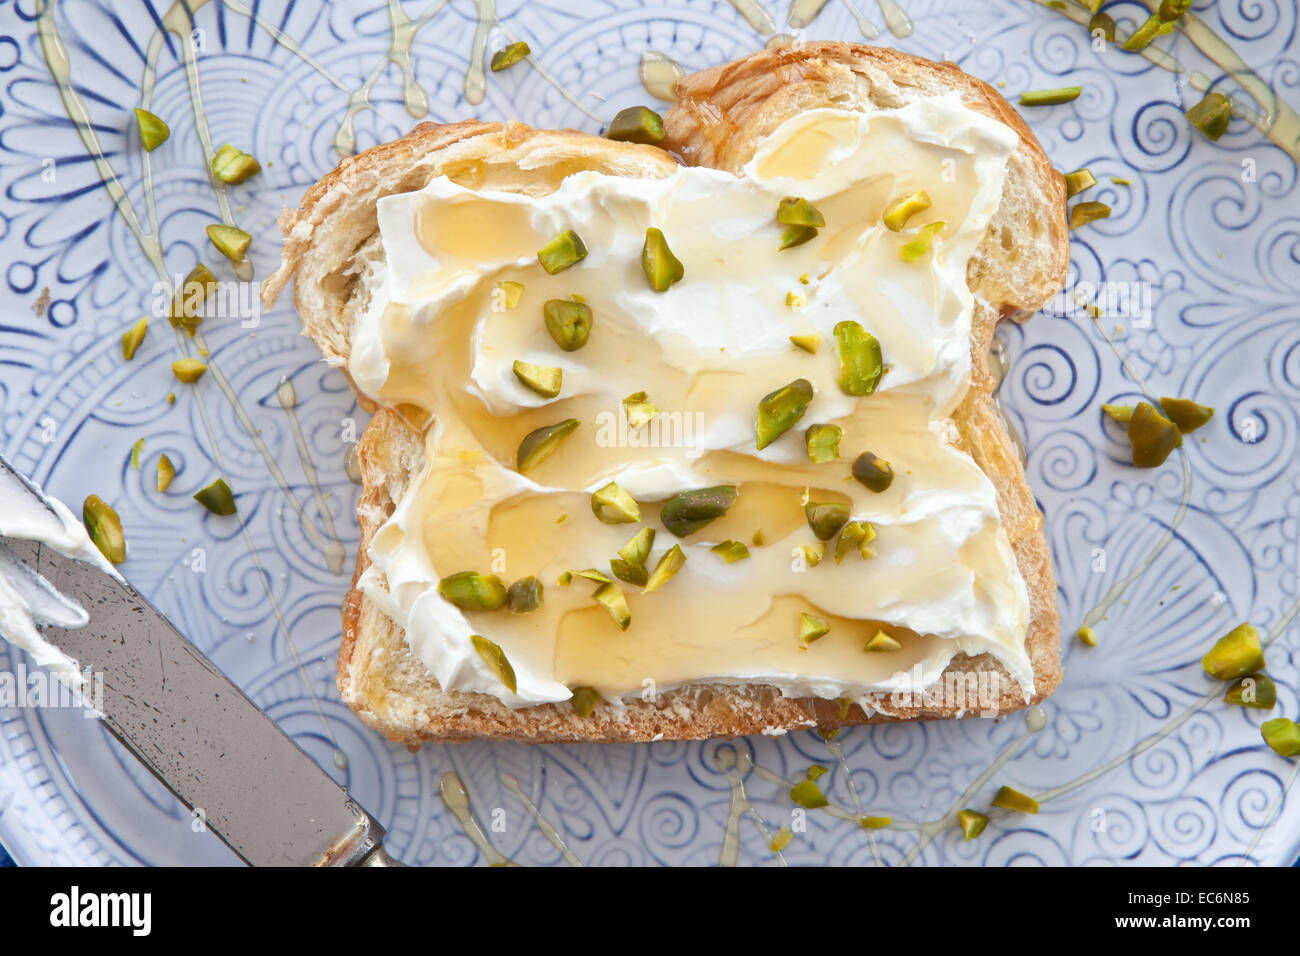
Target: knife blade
[{"x": 197, "y": 732}]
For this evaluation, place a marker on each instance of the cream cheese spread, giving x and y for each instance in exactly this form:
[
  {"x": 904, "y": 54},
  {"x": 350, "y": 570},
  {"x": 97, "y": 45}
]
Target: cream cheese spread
[{"x": 439, "y": 336}]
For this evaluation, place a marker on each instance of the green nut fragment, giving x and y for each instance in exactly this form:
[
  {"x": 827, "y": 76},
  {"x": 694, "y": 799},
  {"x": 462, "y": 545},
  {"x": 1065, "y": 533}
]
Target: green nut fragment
[
  {"x": 217, "y": 498},
  {"x": 812, "y": 554},
  {"x": 471, "y": 591},
  {"x": 668, "y": 565},
  {"x": 826, "y": 518},
  {"x": 188, "y": 370},
  {"x": 1121, "y": 413},
  {"x": 781, "y": 840},
  {"x": 1151, "y": 28},
  {"x": 564, "y": 250},
  {"x": 972, "y": 823},
  {"x": 793, "y": 236},
  {"x": 660, "y": 266},
  {"x": 495, "y": 658},
  {"x": 731, "y": 551},
  {"x": 815, "y": 772},
  {"x": 545, "y": 380},
  {"x": 779, "y": 411},
  {"x": 918, "y": 247},
  {"x": 584, "y": 700},
  {"x": 882, "y": 643},
  {"x": 539, "y": 443},
  {"x": 855, "y": 535},
  {"x": 1062, "y": 94},
  {"x": 1283, "y": 735},
  {"x": 511, "y": 293},
  {"x": 1254, "y": 690},
  {"x": 509, "y": 55},
  {"x": 612, "y": 505},
  {"x": 807, "y": 343},
  {"x": 861, "y": 362},
  {"x": 631, "y": 573},
  {"x": 843, "y": 705},
  {"x": 132, "y": 338},
  {"x": 1211, "y": 115},
  {"x": 636, "y": 124},
  {"x": 688, "y": 512},
  {"x": 876, "y": 823},
  {"x": 875, "y": 473},
  {"x": 1152, "y": 436},
  {"x": 187, "y": 305},
  {"x": 233, "y": 166},
  {"x": 823, "y": 442},
  {"x": 135, "y": 453},
  {"x": 758, "y": 539},
  {"x": 1234, "y": 655},
  {"x": 166, "y": 472},
  {"x": 1087, "y": 636},
  {"x": 611, "y": 596},
  {"x": 105, "y": 528},
  {"x": 1171, "y": 10},
  {"x": 564, "y": 579},
  {"x": 568, "y": 322},
  {"x": 904, "y": 208},
  {"x": 1009, "y": 799},
  {"x": 591, "y": 574},
  {"x": 1086, "y": 212},
  {"x": 637, "y": 550},
  {"x": 525, "y": 595},
  {"x": 1105, "y": 23},
  {"x": 1079, "y": 180},
  {"x": 230, "y": 241},
  {"x": 1185, "y": 413},
  {"x": 153, "y": 131},
  {"x": 639, "y": 409},
  {"x": 812, "y": 628},
  {"x": 807, "y": 794},
  {"x": 796, "y": 211}
]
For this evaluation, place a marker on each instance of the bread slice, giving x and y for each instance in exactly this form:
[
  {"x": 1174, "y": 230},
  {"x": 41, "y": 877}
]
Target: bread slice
[{"x": 721, "y": 115}]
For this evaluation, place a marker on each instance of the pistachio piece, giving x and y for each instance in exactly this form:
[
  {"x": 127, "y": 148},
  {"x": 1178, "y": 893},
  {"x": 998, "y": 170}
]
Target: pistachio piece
[
  {"x": 166, "y": 472},
  {"x": 1152, "y": 436},
  {"x": 807, "y": 343},
  {"x": 471, "y": 591},
  {"x": 511, "y": 293},
  {"x": 731, "y": 551},
  {"x": 540, "y": 442},
  {"x": 854, "y": 536},
  {"x": 1087, "y": 636},
  {"x": 187, "y": 305},
  {"x": 1211, "y": 115},
  {"x": 918, "y": 247},
  {"x": 1105, "y": 23},
  {"x": 639, "y": 409},
  {"x": 826, "y": 518},
  {"x": 105, "y": 528},
  {"x": 876, "y": 823},
  {"x": 797, "y": 211},
  {"x": 781, "y": 840},
  {"x": 882, "y": 643},
  {"x": 823, "y": 442},
  {"x": 1283, "y": 735},
  {"x": 1171, "y": 10},
  {"x": 669, "y": 564},
  {"x": 1010, "y": 799},
  {"x": 688, "y": 512},
  {"x": 230, "y": 241},
  {"x": 233, "y": 166},
  {"x": 815, "y": 772},
  {"x": 545, "y": 380},
  {"x": 1254, "y": 690},
  {"x": 584, "y": 700},
  {"x": 793, "y": 300},
  {"x": 612, "y": 505},
  {"x": 611, "y": 596},
  {"x": 758, "y": 539},
  {"x": 568, "y": 322},
  {"x": 904, "y": 208},
  {"x": 509, "y": 55},
  {"x": 780, "y": 410},
  {"x": 217, "y": 498},
  {"x": 843, "y": 705},
  {"x": 1079, "y": 180},
  {"x": 525, "y": 595},
  {"x": 136, "y": 449},
  {"x": 660, "y": 266},
  {"x": 637, "y": 550},
  {"x": 793, "y": 236},
  {"x": 564, "y": 579},
  {"x": 636, "y": 124},
  {"x": 153, "y": 131},
  {"x": 1086, "y": 212},
  {"x": 861, "y": 362},
  {"x": 1054, "y": 97},
  {"x": 875, "y": 473},
  {"x": 972, "y": 823},
  {"x": 807, "y": 794},
  {"x": 132, "y": 338},
  {"x": 564, "y": 250},
  {"x": 1234, "y": 655},
  {"x": 1185, "y": 413},
  {"x": 1151, "y": 28},
  {"x": 1121, "y": 413},
  {"x": 495, "y": 658},
  {"x": 813, "y": 553},
  {"x": 812, "y": 628},
  {"x": 591, "y": 574},
  {"x": 188, "y": 370},
  {"x": 629, "y": 572}
]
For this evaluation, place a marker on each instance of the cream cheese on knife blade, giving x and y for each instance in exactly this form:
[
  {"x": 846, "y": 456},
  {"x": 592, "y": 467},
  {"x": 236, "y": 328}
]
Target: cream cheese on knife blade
[{"x": 437, "y": 341}]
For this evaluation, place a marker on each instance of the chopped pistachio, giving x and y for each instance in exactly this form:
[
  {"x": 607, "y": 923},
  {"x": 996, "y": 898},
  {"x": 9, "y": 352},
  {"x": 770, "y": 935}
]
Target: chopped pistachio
[
  {"x": 611, "y": 596},
  {"x": 545, "y": 380},
  {"x": 509, "y": 55},
  {"x": 188, "y": 370},
  {"x": 1253, "y": 690},
  {"x": 1211, "y": 115},
  {"x": 1283, "y": 735},
  {"x": 105, "y": 528},
  {"x": 564, "y": 579},
  {"x": 1234, "y": 655},
  {"x": 525, "y": 595},
  {"x": 1087, "y": 636},
  {"x": 793, "y": 300},
  {"x": 636, "y": 124},
  {"x": 230, "y": 241},
  {"x": 539, "y": 443},
  {"x": 1054, "y": 97},
  {"x": 731, "y": 551},
  {"x": 471, "y": 591},
  {"x": 153, "y": 131},
  {"x": 972, "y": 823},
  {"x": 688, "y": 512},
  {"x": 855, "y": 535},
  {"x": 1185, "y": 413},
  {"x": 569, "y": 322},
  {"x": 187, "y": 305},
  {"x": 882, "y": 643},
  {"x": 793, "y": 236},
  {"x": 813, "y": 553},
  {"x": 1079, "y": 180},
  {"x": 639, "y": 409},
  {"x": 812, "y": 628},
  {"x": 217, "y": 498},
  {"x": 826, "y": 518},
  {"x": 876, "y": 823},
  {"x": 171, "y": 398},
  {"x": 796, "y": 211},
  {"x": 1105, "y": 23},
  {"x": 135, "y": 453},
  {"x": 904, "y": 208},
  {"x": 808, "y": 343},
  {"x": 1171, "y": 10},
  {"x": 779, "y": 411},
  {"x": 807, "y": 794},
  {"x": 1086, "y": 212},
  {"x": 1009, "y": 799},
  {"x": 875, "y": 473},
  {"x": 758, "y": 539},
  {"x": 823, "y": 442},
  {"x": 918, "y": 247},
  {"x": 660, "y": 266},
  {"x": 861, "y": 362},
  {"x": 843, "y": 705},
  {"x": 132, "y": 338},
  {"x": 233, "y": 166},
  {"x": 166, "y": 472},
  {"x": 495, "y": 658},
  {"x": 1152, "y": 436},
  {"x": 1121, "y": 413},
  {"x": 631, "y": 573},
  {"x": 815, "y": 772},
  {"x": 511, "y": 293},
  {"x": 669, "y": 564},
  {"x": 781, "y": 840},
  {"x": 584, "y": 700},
  {"x": 612, "y": 505},
  {"x": 563, "y": 251},
  {"x": 591, "y": 574},
  {"x": 637, "y": 550}
]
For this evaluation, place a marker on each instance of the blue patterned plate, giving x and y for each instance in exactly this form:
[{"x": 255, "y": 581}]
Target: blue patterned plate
[{"x": 1198, "y": 270}]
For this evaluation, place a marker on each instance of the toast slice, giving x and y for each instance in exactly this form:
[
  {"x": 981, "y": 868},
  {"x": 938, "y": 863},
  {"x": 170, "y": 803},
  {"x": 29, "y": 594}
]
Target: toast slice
[{"x": 721, "y": 115}]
